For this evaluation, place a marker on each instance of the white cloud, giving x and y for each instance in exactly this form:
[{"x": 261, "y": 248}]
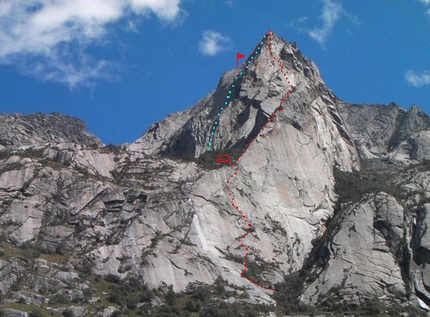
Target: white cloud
[
  {"x": 331, "y": 13},
  {"x": 426, "y": 3},
  {"x": 164, "y": 9},
  {"x": 213, "y": 42},
  {"x": 418, "y": 80},
  {"x": 47, "y": 38}
]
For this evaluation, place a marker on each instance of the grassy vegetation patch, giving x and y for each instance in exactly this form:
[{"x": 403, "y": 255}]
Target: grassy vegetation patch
[{"x": 33, "y": 310}]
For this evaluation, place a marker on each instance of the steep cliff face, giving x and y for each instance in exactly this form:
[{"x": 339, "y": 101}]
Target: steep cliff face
[
  {"x": 374, "y": 249},
  {"x": 367, "y": 251},
  {"x": 300, "y": 197}
]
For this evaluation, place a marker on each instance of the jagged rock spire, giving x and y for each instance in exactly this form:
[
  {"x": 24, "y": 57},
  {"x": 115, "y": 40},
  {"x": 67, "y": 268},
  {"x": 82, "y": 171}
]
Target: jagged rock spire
[{"x": 242, "y": 108}]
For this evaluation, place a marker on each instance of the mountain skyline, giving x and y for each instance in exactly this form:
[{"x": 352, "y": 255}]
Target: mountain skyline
[
  {"x": 121, "y": 69},
  {"x": 322, "y": 207}
]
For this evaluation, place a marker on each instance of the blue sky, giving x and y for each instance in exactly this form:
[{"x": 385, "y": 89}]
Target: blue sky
[{"x": 121, "y": 65}]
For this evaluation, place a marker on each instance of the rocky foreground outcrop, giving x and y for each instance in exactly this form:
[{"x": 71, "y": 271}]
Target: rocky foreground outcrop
[{"x": 337, "y": 195}]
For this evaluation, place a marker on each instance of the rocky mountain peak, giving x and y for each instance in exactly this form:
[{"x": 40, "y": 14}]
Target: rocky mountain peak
[
  {"x": 390, "y": 132},
  {"x": 243, "y": 101},
  {"x": 18, "y": 130},
  {"x": 292, "y": 58}
]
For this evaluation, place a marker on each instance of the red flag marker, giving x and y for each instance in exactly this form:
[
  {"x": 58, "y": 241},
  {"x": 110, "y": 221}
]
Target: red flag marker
[{"x": 238, "y": 56}]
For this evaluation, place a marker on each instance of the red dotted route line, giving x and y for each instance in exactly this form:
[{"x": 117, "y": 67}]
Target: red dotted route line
[{"x": 244, "y": 218}]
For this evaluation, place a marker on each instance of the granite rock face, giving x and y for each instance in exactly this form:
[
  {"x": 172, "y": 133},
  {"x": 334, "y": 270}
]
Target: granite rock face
[
  {"x": 364, "y": 254},
  {"x": 297, "y": 197},
  {"x": 17, "y": 130},
  {"x": 337, "y": 193},
  {"x": 391, "y": 132}
]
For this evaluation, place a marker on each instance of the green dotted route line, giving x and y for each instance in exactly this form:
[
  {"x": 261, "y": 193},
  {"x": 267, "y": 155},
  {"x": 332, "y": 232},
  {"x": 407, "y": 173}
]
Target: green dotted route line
[{"x": 228, "y": 97}]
